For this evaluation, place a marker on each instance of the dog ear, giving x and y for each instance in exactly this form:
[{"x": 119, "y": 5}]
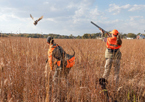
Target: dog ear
[{"x": 103, "y": 81}]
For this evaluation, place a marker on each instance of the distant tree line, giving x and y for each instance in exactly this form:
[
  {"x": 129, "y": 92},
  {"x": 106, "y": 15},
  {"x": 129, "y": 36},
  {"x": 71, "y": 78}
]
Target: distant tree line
[{"x": 58, "y": 36}]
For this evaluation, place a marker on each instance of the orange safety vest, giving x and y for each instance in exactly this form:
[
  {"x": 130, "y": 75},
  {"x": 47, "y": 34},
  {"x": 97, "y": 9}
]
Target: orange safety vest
[
  {"x": 112, "y": 43},
  {"x": 51, "y": 48},
  {"x": 70, "y": 62}
]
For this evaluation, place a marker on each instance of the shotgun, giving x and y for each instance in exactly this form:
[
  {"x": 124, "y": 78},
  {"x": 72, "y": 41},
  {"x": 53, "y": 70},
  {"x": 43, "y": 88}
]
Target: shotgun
[{"x": 101, "y": 29}]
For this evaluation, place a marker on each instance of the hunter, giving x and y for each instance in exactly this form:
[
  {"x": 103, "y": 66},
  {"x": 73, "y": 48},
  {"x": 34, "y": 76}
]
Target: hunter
[
  {"x": 112, "y": 55},
  {"x": 57, "y": 56}
]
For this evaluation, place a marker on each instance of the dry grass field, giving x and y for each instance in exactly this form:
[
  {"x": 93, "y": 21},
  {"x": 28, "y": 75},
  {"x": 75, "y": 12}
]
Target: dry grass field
[{"x": 22, "y": 66}]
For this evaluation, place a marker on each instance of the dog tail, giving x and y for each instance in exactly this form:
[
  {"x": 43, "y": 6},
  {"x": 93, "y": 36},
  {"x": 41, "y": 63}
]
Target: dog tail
[{"x": 73, "y": 51}]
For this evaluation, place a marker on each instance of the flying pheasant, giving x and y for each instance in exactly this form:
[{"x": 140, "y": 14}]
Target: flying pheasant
[{"x": 36, "y": 21}]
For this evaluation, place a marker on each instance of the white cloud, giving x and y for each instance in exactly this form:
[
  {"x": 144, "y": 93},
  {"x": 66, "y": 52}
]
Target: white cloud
[
  {"x": 132, "y": 18},
  {"x": 95, "y": 12},
  {"x": 85, "y": 12},
  {"x": 71, "y": 5},
  {"x": 126, "y": 6},
  {"x": 116, "y": 8},
  {"x": 133, "y": 25},
  {"x": 67, "y": 17},
  {"x": 3, "y": 17},
  {"x": 81, "y": 12},
  {"x": 46, "y": 2},
  {"x": 50, "y": 19},
  {"x": 52, "y": 8},
  {"x": 137, "y": 7}
]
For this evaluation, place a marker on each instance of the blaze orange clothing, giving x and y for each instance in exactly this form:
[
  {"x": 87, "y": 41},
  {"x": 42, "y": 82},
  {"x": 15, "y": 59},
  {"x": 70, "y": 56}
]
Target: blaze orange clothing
[
  {"x": 70, "y": 62},
  {"x": 51, "y": 48},
  {"x": 57, "y": 52},
  {"x": 112, "y": 43},
  {"x": 63, "y": 59}
]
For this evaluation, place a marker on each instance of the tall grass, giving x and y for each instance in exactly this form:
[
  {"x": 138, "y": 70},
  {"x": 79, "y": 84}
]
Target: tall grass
[{"x": 22, "y": 66}]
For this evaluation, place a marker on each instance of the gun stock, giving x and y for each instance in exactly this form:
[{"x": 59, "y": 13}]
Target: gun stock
[{"x": 100, "y": 28}]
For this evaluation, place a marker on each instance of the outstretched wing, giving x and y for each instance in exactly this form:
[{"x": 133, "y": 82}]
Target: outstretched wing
[
  {"x": 40, "y": 18},
  {"x": 31, "y": 16}
]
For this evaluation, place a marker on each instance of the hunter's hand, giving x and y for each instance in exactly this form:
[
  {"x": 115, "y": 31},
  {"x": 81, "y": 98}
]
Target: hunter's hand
[
  {"x": 102, "y": 35},
  {"x": 101, "y": 30}
]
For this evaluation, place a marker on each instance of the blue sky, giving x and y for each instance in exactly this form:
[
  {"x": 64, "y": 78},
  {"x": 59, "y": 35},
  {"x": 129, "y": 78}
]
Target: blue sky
[{"x": 67, "y": 17}]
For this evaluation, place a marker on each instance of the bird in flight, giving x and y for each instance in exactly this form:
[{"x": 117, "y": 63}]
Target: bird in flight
[{"x": 36, "y": 21}]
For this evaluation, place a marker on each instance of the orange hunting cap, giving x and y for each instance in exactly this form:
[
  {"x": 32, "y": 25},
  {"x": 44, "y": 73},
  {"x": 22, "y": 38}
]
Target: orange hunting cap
[{"x": 114, "y": 32}]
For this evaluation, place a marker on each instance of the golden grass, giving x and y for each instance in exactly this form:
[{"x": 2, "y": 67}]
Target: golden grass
[{"x": 22, "y": 65}]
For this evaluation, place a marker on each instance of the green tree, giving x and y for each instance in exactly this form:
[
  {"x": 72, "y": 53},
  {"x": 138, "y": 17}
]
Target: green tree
[
  {"x": 131, "y": 35},
  {"x": 79, "y": 37},
  {"x": 70, "y": 36},
  {"x": 138, "y": 33},
  {"x": 85, "y": 36}
]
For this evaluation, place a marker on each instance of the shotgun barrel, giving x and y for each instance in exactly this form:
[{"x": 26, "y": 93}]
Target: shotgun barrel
[{"x": 100, "y": 28}]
